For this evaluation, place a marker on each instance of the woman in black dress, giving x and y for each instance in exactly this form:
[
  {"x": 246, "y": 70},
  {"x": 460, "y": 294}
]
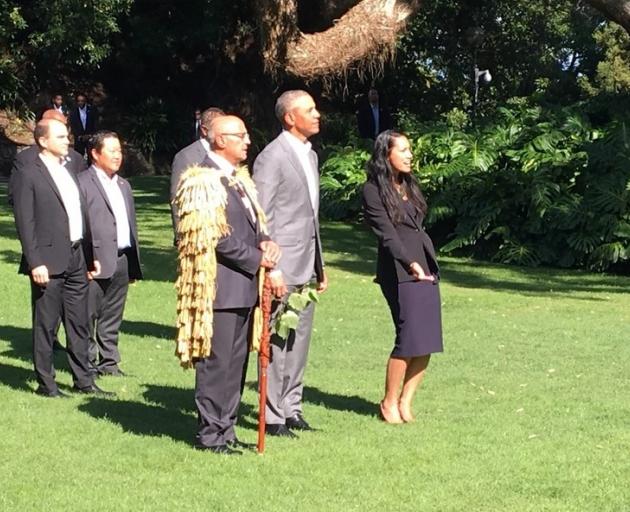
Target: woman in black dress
[{"x": 407, "y": 270}]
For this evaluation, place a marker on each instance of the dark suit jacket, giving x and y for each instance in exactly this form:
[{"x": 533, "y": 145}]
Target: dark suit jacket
[
  {"x": 77, "y": 126},
  {"x": 398, "y": 245},
  {"x": 42, "y": 222},
  {"x": 193, "y": 154},
  {"x": 103, "y": 224},
  {"x": 238, "y": 255},
  {"x": 30, "y": 156},
  {"x": 365, "y": 120}
]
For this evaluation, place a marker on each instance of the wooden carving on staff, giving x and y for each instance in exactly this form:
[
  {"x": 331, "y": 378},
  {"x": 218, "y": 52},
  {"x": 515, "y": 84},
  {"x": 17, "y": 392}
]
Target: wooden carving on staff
[{"x": 263, "y": 355}]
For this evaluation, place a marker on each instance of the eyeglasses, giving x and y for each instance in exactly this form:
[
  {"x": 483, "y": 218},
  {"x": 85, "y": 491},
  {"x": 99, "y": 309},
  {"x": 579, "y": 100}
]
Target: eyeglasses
[{"x": 242, "y": 135}]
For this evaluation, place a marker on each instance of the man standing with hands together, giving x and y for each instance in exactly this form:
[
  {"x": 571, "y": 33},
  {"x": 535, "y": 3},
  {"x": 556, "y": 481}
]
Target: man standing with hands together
[{"x": 287, "y": 178}]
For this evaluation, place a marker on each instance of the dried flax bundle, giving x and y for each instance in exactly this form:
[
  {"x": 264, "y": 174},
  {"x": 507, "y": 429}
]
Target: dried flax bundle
[{"x": 201, "y": 199}]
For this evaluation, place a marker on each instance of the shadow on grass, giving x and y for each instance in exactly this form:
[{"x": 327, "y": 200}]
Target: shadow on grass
[
  {"x": 143, "y": 419},
  {"x": 344, "y": 403},
  {"x": 20, "y": 340},
  {"x": 15, "y": 377},
  {"x": 148, "y": 329}
]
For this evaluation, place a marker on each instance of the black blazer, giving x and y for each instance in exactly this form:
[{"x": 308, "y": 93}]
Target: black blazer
[
  {"x": 42, "y": 222},
  {"x": 365, "y": 121},
  {"x": 30, "y": 156},
  {"x": 77, "y": 126},
  {"x": 398, "y": 245},
  {"x": 103, "y": 224},
  {"x": 238, "y": 255}
]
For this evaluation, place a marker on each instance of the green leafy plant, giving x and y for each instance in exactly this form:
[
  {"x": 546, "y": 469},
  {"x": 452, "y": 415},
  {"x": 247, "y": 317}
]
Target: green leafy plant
[{"x": 287, "y": 316}]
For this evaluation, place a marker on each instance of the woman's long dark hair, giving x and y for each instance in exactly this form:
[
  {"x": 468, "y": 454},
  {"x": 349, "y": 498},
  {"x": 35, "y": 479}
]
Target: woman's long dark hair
[{"x": 381, "y": 173}]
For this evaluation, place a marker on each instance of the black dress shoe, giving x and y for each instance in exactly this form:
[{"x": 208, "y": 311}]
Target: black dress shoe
[
  {"x": 298, "y": 422},
  {"x": 92, "y": 389},
  {"x": 235, "y": 443},
  {"x": 279, "y": 430},
  {"x": 50, "y": 394},
  {"x": 221, "y": 449}
]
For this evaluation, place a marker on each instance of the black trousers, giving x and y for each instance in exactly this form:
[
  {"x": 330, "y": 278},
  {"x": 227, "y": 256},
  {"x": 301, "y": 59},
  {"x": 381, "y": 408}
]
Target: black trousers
[
  {"x": 220, "y": 377},
  {"x": 106, "y": 306},
  {"x": 64, "y": 296}
]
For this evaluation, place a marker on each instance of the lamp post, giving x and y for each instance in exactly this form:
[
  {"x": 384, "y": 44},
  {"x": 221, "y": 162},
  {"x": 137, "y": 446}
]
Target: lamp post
[{"x": 475, "y": 37}]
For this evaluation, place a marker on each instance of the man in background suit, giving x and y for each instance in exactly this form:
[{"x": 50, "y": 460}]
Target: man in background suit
[
  {"x": 82, "y": 123},
  {"x": 219, "y": 378},
  {"x": 52, "y": 227},
  {"x": 287, "y": 179},
  {"x": 197, "y": 125},
  {"x": 373, "y": 118},
  {"x": 192, "y": 154},
  {"x": 112, "y": 216}
]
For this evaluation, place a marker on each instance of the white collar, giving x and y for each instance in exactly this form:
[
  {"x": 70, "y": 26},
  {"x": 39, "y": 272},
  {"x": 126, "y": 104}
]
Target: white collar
[
  {"x": 226, "y": 167},
  {"x": 299, "y": 146},
  {"x": 103, "y": 175},
  {"x": 51, "y": 161},
  {"x": 205, "y": 144}
]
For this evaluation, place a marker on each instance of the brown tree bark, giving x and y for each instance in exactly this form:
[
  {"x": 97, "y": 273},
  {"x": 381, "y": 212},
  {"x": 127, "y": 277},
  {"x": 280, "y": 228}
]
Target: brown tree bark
[{"x": 616, "y": 10}]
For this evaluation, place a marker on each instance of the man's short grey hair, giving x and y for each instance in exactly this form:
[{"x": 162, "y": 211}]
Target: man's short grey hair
[
  {"x": 207, "y": 116},
  {"x": 285, "y": 103}
]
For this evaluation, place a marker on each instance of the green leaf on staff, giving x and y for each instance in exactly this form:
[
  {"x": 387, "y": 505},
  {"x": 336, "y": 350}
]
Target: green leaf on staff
[{"x": 298, "y": 301}]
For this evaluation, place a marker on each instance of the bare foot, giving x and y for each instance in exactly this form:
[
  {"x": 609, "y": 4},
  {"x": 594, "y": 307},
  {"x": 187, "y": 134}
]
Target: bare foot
[
  {"x": 390, "y": 414},
  {"x": 405, "y": 412}
]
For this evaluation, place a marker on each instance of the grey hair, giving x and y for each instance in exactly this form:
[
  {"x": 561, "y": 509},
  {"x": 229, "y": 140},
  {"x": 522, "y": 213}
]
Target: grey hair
[
  {"x": 285, "y": 102},
  {"x": 207, "y": 118}
]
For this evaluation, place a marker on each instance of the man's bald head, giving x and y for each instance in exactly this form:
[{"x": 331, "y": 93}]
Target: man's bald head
[
  {"x": 229, "y": 138},
  {"x": 55, "y": 114},
  {"x": 51, "y": 136}
]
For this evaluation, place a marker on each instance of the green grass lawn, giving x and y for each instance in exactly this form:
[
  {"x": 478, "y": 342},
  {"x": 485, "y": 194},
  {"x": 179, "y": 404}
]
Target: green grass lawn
[{"x": 528, "y": 408}]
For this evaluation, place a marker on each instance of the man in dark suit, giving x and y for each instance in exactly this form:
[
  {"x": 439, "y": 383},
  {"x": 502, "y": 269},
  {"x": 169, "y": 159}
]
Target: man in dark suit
[
  {"x": 220, "y": 377},
  {"x": 192, "y": 154},
  {"x": 30, "y": 156},
  {"x": 82, "y": 123},
  {"x": 197, "y": 125},
  {"x": 52, "y": 226},
  {"x": 287, "y": 178},
  {"x": 112, "y": 218},
  {"x": 373, "y": 118}
]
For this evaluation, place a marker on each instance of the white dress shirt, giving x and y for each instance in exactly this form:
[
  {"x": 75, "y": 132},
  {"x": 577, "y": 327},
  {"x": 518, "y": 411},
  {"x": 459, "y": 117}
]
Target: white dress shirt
[
  {"x": 228, "y": 171},
  {"x": 377, "y": 121},
  {"x": 83, "y": 116},
  {"x": 117, "y": 202},
  {"x": 303, "y": 152},
  {"x": 69, "y": 192}
]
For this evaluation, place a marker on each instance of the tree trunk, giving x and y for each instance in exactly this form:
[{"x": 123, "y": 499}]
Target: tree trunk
[{"x": 616, "y": 10}]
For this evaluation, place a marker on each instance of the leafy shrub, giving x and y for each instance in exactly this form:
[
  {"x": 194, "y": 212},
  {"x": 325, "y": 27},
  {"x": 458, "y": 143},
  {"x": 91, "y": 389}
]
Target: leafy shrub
[{"x": 535, "y": 187}]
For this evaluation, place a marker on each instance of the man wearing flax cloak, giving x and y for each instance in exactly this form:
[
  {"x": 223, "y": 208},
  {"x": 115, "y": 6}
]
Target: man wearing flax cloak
[{"x": 222, "y": 246}]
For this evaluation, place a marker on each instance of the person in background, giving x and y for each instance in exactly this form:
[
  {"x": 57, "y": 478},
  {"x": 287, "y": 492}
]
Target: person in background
[
  {"x": 197, "y": 125},
  {"x": 406, "y": 270},
  {"x": 82, "y": 123},
  {"x": 193, "y": 154},
  {"x": 372, "y": 117}
]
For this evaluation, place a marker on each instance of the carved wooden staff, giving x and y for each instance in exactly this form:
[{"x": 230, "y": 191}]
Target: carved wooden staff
[{"x": 263, "y": 361}]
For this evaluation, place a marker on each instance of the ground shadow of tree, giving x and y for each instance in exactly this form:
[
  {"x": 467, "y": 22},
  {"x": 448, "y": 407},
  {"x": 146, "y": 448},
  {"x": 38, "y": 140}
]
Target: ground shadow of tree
[{"x": 20, "y": 341}]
